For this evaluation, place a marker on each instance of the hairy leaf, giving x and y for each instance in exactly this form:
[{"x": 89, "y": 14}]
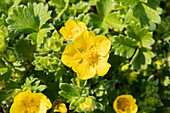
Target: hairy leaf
[
  {"x": 68, "y": 91},
  {"x": 146, "y": 13},
  {"x": 141, "y": 35},
  {"x": 27, "y": 19},
  {"x": 138, "y": 43},
  {"x": 124, "y": 46}
]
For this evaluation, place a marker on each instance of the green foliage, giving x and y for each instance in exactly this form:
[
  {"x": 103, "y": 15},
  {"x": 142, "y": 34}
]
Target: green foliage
[
  {"x": 7, "y": 5},
  {"x": 146, "y": 13},
  {"x": 31, "y": 46},
  {"x": 50, "y": 62},
  {"x": 68, "y": 91},
  {"x": 104, "y": 7},
  {"x": 131, "y": 3},
  {"x": 25, "y": 49},
  {"x": 106, "y": 19},
  {"x": 27, "y": 19},
  {"x": 3, "y": 36},
  {"x": 33, "y": 84},
  {"x": 137, "y": 44},
  {"x": 113, "y": 21},
  {"x": 3, "y": 67}
]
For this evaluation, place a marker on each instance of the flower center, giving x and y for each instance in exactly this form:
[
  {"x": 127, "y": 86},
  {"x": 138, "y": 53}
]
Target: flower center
[
  {"x": 123, "y": 104},
  {"x": 91, "y": 57}
]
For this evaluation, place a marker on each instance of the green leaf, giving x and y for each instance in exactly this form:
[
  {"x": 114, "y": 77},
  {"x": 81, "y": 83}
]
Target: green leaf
[
  {"x": 137, "y": 42},
  {"x": 124, "y": 46},
  {"x": 3, "y": 20},
  {"x": 6, "y": 5},
  {"x": 4, "y": 95},
  {"x": 113, "y": 21},
  {"x": 3, "y": 36},
  {"x": 130, "y": 2},
  {"x": 27, "y": 19},
  {"x": 146, "y": 13},
  {"x": 54, "y": 43},
  {"x": 104, "y": 7},
  {"x": 61, "y": 7},
  {"x": 25, "y": 49},
  {"x": 68, "y": 91},
  {"x": 3, "y": 67},
  {"x": 3, "y": 32},
  {"x": 58, "y": 3},
  {"x": 144, "y": 38},
  {"x": 95, "y": 20},
  {"x": 141, "y": 58},
  {"x": 49, "y": 62},
  {"x": 38, "y": 37}
]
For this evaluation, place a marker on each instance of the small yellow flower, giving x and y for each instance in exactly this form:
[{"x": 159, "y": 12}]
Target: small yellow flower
[
  {"x": 1, "y": 84},
  {"x": 72, "y": 29},
  {"x": 28, "y": 102},
  {"x": 60, "y": 107},
  {"x": 125, "y": 104},
  {"x": 88, "y": 55}
]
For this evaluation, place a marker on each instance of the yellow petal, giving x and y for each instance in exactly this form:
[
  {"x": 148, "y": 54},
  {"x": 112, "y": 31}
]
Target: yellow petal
[
  {"x": 103, "y": 66},
  {"x": 22, "y": 95},
  {"x": 64, "y": 32},
  {"x": 71, "y": 56},
  {"x": 71, "y": 23},
  {"x": 82, "y": 25},
  {"x": 43, "y": 100},
  {"x": 134, "y": 108},
  {"x": 17, "y": 108},
  {"x": 103, "y": 44},
  {"x": 84, "y": 71},
  {"x": 84, "y": 40}
]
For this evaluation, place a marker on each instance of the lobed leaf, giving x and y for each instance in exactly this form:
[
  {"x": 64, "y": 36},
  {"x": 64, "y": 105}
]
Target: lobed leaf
[
  {"x": 146, "y": 13},
  {"x": 124, "y": 46},
  {"x": 27, "y": 19}
]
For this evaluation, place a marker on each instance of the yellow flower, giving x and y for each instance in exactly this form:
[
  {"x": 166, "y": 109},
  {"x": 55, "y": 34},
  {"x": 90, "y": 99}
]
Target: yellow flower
[
  {"x": 1, "y": 84},
  {"x": 72, "y": 29},
  {"x": 60, "y": 107},
  {"x": 125, "y": 104},
  {"x": 28, "y": 102},
  {"x": 88, "y": 55}
]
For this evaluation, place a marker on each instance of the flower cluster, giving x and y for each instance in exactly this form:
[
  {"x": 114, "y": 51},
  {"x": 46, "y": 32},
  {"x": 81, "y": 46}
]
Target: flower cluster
[
  {"x": 88, "y": 57},
  {"x": 88, "y": 54}
]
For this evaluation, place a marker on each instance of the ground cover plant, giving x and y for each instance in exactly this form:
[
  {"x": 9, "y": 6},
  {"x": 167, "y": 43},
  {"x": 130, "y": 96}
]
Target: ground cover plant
[{"x": 85, "y": 56}]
